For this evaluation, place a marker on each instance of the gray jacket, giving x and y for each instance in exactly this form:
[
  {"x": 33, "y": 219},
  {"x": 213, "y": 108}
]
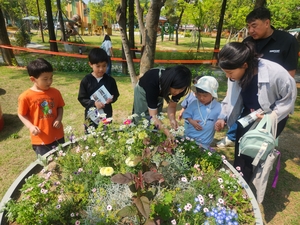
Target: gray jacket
[{"x": 277, "y": 91}]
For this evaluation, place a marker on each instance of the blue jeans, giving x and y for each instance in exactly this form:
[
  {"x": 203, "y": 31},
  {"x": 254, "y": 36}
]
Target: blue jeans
[
  {"x": 231, "y": 133},
  {"x": 108, "y": 69}
]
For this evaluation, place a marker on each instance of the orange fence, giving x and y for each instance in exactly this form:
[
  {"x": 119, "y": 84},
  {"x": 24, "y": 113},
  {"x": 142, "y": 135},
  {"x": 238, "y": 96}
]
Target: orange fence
[{"x": 76, "y": 55}]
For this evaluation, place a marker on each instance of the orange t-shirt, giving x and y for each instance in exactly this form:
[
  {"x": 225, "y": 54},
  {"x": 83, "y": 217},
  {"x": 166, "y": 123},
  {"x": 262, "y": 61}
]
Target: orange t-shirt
[{"x": 41, "y": 110}]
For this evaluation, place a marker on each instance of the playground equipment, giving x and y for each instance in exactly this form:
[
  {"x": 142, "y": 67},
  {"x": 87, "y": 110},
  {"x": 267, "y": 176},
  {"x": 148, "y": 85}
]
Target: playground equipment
[
  {"x": 167, "y": 28},
  {"x": 71, "y": 31}
]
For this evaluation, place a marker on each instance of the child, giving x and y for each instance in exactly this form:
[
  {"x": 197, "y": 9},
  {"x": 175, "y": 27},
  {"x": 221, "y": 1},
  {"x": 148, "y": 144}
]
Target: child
[
  {"x": 107, "y": 46},
  {"x": 40, "y": 108},
  {"x": 188, "y": 99},
  {"x": 202, "y": 113},
  {"x": 93, "y": 81}
]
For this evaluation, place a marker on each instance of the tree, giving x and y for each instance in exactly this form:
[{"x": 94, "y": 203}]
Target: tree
[
  {"x": 53, "y": 45},
  {"x": 196, "y": 14},
  {"x": 150, "y": 35},
  {"x": 219, "y": 31},
  {"x": 7, "y": 54},
  {"x": 121, "y": 18}
]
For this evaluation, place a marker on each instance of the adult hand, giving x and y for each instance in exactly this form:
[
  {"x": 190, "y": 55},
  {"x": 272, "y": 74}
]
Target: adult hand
[
  {"x": 219, "y": 125},
  {"x": 174, "y": 124}
]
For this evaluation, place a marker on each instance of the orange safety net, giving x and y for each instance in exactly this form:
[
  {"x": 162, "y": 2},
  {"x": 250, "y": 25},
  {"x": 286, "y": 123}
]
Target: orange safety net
[{"x": 76, "y": 55}]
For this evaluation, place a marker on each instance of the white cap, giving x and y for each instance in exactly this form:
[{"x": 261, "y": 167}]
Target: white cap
[{"x": 208, "y": 84}]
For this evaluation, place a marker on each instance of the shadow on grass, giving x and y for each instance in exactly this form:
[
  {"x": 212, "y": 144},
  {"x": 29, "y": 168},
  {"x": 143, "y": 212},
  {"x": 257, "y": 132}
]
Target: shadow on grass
[
  {"x": 276, "y": 199},
  {"x": 287, "y": 190},
  {"x": 12, "y": 125},
  {"x": 2, "y": 91}
]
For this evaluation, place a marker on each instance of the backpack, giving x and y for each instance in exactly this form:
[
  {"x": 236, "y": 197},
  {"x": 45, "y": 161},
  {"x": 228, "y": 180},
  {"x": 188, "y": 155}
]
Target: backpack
[{"x": 259, "y": 142}]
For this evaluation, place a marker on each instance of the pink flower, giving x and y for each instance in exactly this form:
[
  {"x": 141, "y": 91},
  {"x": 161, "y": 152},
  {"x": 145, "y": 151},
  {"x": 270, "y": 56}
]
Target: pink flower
[
  {"x": 77, "y": 222},
  {"x": 127, "y": 122}
]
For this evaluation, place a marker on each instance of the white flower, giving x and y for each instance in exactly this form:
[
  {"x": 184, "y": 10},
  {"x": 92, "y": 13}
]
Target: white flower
[
  {"x": 130, "y": 141},
  {"x": 132, "y": 161},
  {"x": 184, "y": 179}
]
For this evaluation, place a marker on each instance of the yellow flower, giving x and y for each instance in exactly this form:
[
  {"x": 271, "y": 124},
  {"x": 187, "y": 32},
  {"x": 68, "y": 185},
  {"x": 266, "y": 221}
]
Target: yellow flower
[
  {"x": 142, "y": 135},
  {"x": 106, "y": 171},
  {"x": 132, "y": 161}
]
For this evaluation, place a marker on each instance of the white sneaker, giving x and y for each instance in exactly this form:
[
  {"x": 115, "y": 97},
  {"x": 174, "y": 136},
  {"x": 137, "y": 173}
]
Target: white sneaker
[{"x": 225, "y": 142}]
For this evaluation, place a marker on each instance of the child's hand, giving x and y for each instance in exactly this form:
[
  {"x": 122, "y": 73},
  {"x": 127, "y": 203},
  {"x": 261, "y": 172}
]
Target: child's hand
[
  {"x": 57, "y": 124},
  {"x": 196, "y": 124},
  {"x": 34, "y": 130},
  {"x": 99, "y": 105},
  {"x": 180, "y": 116},
  {"x": 109, "y": 100},
  {"x": 219, "y": 125}
]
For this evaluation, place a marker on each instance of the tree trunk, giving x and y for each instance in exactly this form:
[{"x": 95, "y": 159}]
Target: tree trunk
[
  {"x": 219, "y": 31},
  {"x": 260, "y": 3},
  {"x": 122, "y": 22},
  {"x": 140, "y": 16},
  {"x": 178, "y": 24},
  {"x": 7, "y": 54},
  {"x": 147, "y": 59},
  {"x": 131, "y": 26},
  {"x": 61, "y": 21},
  {"x": 53, "y": 45}
]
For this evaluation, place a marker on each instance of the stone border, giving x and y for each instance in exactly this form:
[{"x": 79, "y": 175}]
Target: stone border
[
  {"x": 13, "y": 190},
  {"x": 243, "y": 183}
]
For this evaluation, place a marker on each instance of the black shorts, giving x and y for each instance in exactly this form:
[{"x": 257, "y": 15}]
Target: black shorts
[{"x": 43, "y": 149}]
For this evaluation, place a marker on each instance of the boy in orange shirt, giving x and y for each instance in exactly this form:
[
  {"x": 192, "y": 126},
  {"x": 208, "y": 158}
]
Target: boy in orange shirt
[{"x": 40, "y": 108}]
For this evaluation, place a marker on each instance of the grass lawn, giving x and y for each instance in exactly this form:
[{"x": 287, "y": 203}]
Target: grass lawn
[{"x": 281, "y": 205}]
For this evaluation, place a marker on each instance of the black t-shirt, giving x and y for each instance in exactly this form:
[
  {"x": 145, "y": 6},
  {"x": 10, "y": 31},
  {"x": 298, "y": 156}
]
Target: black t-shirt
[
  {"x": 250, "y": 94},
  {"x": 89, "y": 85},
  {"x": 150, "y": 82},
  {"x": 281, "y": 47}
]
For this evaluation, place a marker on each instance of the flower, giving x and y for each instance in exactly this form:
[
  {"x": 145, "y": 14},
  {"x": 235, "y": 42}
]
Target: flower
[
  {"x": 132, "y": 161},
  {"x": 106, "y": 171}
]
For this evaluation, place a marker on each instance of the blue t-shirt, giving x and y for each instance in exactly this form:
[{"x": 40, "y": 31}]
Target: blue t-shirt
[
  {"x": 209, "y": 117},
  {"x": 190, "y": 97}
]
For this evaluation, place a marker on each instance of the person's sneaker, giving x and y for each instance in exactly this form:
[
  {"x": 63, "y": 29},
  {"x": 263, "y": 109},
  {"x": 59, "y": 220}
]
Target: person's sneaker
[{"x": 225, "y": 142}]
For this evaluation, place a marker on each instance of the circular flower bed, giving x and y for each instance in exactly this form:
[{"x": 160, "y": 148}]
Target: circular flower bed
[{"x": 132, "y": 174}]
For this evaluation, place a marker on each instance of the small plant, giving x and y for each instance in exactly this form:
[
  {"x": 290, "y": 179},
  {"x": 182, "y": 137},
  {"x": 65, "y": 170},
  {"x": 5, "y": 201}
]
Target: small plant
[
  {"x": 15, "y": 136},
  {"x": 22, "y": 37}
]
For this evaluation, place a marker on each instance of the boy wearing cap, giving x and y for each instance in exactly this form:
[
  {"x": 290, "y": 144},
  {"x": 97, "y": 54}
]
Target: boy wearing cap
[{"x": 200, "y": 116}]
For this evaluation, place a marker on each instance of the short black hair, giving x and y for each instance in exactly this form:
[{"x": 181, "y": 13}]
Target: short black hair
[
  {"x": 36, "y": 67},
  {"x": 199, "y": 90},
  {"x": 260, "y": 13},
  {"x": 97, "y": 55}
]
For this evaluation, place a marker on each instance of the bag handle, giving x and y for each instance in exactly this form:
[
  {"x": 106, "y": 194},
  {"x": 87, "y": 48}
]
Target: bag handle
[{"x": 270, "y": 120}]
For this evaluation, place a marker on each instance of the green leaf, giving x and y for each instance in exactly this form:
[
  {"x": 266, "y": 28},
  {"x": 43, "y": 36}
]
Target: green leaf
[{"x": 127, "y": 211}]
